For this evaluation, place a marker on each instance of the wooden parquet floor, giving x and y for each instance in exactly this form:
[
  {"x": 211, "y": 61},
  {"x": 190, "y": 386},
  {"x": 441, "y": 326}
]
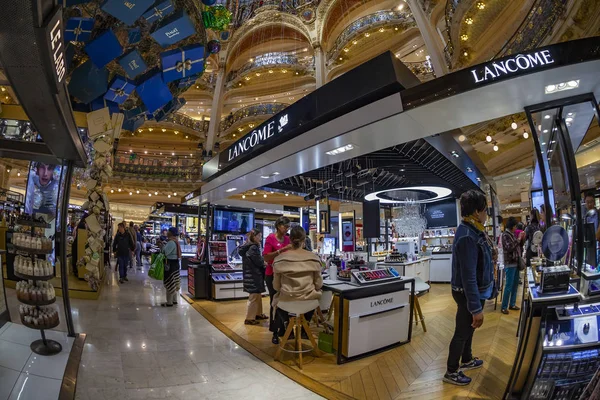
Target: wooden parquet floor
[{"x": 412, "y": 371}]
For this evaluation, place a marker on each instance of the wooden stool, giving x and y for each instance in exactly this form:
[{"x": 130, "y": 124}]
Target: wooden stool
[
  {"x": 296, "y": 310},
  {"x": 420, "y": 288}
]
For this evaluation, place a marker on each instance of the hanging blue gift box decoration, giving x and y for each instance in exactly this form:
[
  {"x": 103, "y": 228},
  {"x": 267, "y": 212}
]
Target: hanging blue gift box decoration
[
  {"x": 171, "y": 107},
  {"x": 159, "y": 11},
  {"x": 154, "y": 93},
  {"x": 187, "y": 82},
  {"x": 101, "y": 102},
  {"x": 182, "y": 62},
  {"x": 134, "y": 35},
  {"x": 104, "y": 49},
  {"x": 173, "y": 29},
  {"x": 79, "y": 29},
  {"x": 127, "y": 11},
  {"x": 120, "y": 89},
  {"x": 88, "y": 82},
  {"x": 133, "y": 64}
]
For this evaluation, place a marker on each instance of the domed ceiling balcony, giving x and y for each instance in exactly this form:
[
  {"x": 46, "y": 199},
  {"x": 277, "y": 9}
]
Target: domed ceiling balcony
[
  {"x": 241, "y": 121},
  {"x": 367, "y": 32}
]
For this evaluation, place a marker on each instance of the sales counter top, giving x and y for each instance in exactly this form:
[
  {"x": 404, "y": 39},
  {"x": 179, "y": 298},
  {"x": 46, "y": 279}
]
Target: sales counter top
[{"x": 392, "y": 263}]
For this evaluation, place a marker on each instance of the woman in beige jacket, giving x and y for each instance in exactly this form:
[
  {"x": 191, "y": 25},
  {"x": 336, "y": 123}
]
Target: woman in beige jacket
[{"x": 296, "y": 276}]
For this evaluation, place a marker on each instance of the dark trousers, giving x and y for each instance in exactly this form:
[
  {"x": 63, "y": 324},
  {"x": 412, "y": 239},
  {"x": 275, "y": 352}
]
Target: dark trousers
[
  {"x": 122, "y": 262},
  {"x": 272, "y": 291},
  {"x": 460, "y": 346}
]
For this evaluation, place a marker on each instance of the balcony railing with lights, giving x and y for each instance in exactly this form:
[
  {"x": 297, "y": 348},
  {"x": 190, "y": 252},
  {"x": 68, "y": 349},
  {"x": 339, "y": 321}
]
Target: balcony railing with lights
[
  {"x": 207, "y": 81},
  {"x": 251, "y": 111},
  {"x": 451, "y": 6},
  {"x": 269, "y": 63},
  {"x": 246, "y": 10},
  {"x": 423, "y": 70},
  {"x": 367, "y": 24},
  {"x": 187, "y": 173},
  {"x": 536, "y": 26},
  {"x": 184, "y": 120}
]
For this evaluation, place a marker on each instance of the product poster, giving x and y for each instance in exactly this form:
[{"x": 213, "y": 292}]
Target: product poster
[
  {"x": 42, "y": 189},
  {"x": 347, "y": 236}
]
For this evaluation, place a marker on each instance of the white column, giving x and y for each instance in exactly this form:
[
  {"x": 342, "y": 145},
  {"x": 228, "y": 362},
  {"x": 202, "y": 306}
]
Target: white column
[
  {"x": 434, "y": 46},
  {"x": 215, "y": 111},
  {"x": 319, "y": 65}
]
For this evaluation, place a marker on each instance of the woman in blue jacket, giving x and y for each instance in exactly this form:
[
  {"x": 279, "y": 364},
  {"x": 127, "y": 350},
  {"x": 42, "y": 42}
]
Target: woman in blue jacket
[{"x": 473, "y": 256}]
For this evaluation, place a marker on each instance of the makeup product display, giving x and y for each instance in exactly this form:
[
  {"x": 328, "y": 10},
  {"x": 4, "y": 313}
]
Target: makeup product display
[
  {"x": 35, "y": 293},
  {"x": 38, "y": 317},
  {"x": 555, "y": 279},
  {"x": 26, "y": 267},
  {"x": 396, "y": 256},
  {"x": 376, "y": 276}
]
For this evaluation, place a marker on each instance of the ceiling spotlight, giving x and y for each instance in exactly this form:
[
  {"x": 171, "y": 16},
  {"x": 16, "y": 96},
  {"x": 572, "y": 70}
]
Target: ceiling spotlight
[
  {"x": 243, "y": 196},
  {"x": 454, "y": 154},
  {"x": 119, "y": 190},
  {"x": 547, "y": 116},
  {"x": 137, "y": 191},
  {"x": 169, "y": 196},
  {"x": 495, "y": 147},
  {"x": 488, "y": 138},
  {"x": 156, "y": 193},
  {"x": 149, "y": 194},
  {"x": 462, "y": 138},
  {"x": 480, "y": 5},
  {"x": 131, "y": 193},
  {"x": 464, "y": 37},
  {"x": 145, "y": 151},
  {"x": 287, "y": 194},
  {"x": 172, "y": 154},
  {"x": 253, "y": 193},
  {"x": 514, "y": 125},
  {"x": 469, "y": 21},
  {"x": 545, "y": 131},
  {"x": 112, "y": 190},
  {"x": 131, "y": 151},
  {"x": 164, "y": 130},
  {"x": 525, "y": 135},
  {"x": 265, "y": 195},
  {"x": 231, "y": 190}
]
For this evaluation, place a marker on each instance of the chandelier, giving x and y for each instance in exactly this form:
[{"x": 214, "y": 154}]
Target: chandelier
[{"x": 408, "y": 220}]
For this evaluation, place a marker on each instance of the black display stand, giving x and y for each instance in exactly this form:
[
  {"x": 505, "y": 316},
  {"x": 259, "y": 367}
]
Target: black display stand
[
  {"x": 199, "y": 280},
  {"x": 43, "y": 346}
]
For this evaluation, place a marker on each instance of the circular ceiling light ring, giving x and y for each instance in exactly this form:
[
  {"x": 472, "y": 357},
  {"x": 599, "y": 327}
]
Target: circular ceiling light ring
[{"x": 438, "y": 191}]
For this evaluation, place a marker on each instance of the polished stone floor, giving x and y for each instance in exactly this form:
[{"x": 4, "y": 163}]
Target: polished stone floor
[{"x": 136, "y": 349}]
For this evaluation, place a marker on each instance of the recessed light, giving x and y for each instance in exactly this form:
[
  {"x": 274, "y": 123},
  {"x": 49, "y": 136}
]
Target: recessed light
[
  {"x": 488, "y": 138},
  {"x": 545, "y": 131},
  {"x": 339, "y": 150},
  {"x": 253, "y": 193},
  {"x": 265, "y": 195},
  {"x": 514, "y": 125},
  {"x": 231, "y": 190},
  {"x": 547, "y": 116}
]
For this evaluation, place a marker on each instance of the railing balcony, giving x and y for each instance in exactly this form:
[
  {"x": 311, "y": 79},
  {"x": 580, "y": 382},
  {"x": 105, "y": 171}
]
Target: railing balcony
[
  {"x": 184, "y": 120},
  {"x": 248, "y": 9},
  {"x": 253, "y": 111},
  {"x": 536, "y": 26},
  {"x": 162, "y": 171},
  {"x": 451, "y": 6},
  {"x": 284, "y": 61},
  {"x": 423, "y": 70},
  {"x": 367, "y": 24}
]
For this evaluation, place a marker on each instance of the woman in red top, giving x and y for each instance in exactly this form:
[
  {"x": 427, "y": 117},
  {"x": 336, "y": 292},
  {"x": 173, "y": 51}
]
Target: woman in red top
[{"x": 275, "y": 244}]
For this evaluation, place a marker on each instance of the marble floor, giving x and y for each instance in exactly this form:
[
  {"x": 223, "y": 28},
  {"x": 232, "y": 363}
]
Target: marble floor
[
  {"x": 25, "y": 375},
  {"x": 136, "y": 349}
]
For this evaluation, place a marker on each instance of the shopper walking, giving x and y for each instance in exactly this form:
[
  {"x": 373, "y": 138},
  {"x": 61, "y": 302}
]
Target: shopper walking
[
  {"x": 253, "y": 266},
  {"x": 172, "y": 280},
  {"x": 131, "y": 232},
  {"x": 138, "y": 246},
  {"x": 511, "y": 246},
  {"x": 122, "y": 246},
  {"x": 472, "y": 283},
  {"x": 296, "y": 276},
  {"x": 275, "y": 244}
]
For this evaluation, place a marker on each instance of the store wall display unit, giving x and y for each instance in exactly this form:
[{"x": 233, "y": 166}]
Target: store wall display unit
[{"x": 371, "y": 319}]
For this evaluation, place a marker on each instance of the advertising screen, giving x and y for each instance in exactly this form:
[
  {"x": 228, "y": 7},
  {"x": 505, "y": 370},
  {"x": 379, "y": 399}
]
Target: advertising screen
[
  {"x": 42, "y": 189},
  {"x": 442, "y": 214},
  {"x": 347, "y": 235},
  {"x": 233, "y": 221}
]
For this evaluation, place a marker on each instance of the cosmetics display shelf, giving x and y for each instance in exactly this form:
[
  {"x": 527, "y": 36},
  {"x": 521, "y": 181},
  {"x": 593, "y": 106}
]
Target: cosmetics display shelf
[
  {"x": 33, "y": 251},
  {"x": 34, "y": 277},
  {"x": 35, "y": 224},
  {"x": 38, "y": 302},
  {"x": 40, "y": 327},
  {"x": 376, "y": 276}
]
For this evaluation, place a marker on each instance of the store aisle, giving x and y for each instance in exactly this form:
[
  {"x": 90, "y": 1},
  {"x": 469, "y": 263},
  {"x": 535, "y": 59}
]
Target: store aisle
[{"x": 136, "y": 349}]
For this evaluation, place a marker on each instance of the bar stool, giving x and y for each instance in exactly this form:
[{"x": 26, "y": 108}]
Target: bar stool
[
  {"x": 420, "y": 288},
  {"x": 296, "y": 311},
  {"x": 325, "y": 303}
]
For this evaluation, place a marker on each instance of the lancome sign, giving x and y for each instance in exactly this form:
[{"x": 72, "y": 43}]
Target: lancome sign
[
  {"x": 513, "y": 65},
  {"x": 258, "y": 136}
]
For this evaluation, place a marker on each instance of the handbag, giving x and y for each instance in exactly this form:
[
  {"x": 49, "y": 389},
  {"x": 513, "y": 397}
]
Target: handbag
[
  {"x": 520, "y": 261},
  {"x": 157, "y": 269}
]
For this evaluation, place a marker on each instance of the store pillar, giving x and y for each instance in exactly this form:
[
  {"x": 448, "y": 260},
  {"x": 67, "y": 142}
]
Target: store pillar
[
  {"x": 432, "y": 40},
  {"x": 215, "y": 111},
  {"x": 320, "y": 70},
  {"x": 4, "y": 177}
]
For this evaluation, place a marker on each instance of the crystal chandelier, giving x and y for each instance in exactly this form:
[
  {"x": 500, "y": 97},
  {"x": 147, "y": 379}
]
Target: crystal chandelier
[{"x": 408, "y": 220}]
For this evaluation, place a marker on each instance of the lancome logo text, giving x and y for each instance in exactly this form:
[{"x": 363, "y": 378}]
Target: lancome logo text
[
  {"x": 381, "y": 302},
  {"x": 257, "y": 136},
  {"x": 521, "y": 62}
]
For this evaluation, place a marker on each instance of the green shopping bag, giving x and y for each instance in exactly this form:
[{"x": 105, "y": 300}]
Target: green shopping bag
[{"x": 157, "y": 269}]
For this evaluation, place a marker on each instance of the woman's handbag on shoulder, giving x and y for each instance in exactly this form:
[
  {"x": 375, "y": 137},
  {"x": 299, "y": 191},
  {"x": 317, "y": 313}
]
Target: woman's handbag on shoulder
[{"x": 520, "y": 261}]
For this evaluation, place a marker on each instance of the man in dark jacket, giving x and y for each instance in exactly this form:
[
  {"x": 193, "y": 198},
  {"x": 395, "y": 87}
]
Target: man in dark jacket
[
  {"x": 253, "y": 266},
  {"x": 123, "y": 246}
]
